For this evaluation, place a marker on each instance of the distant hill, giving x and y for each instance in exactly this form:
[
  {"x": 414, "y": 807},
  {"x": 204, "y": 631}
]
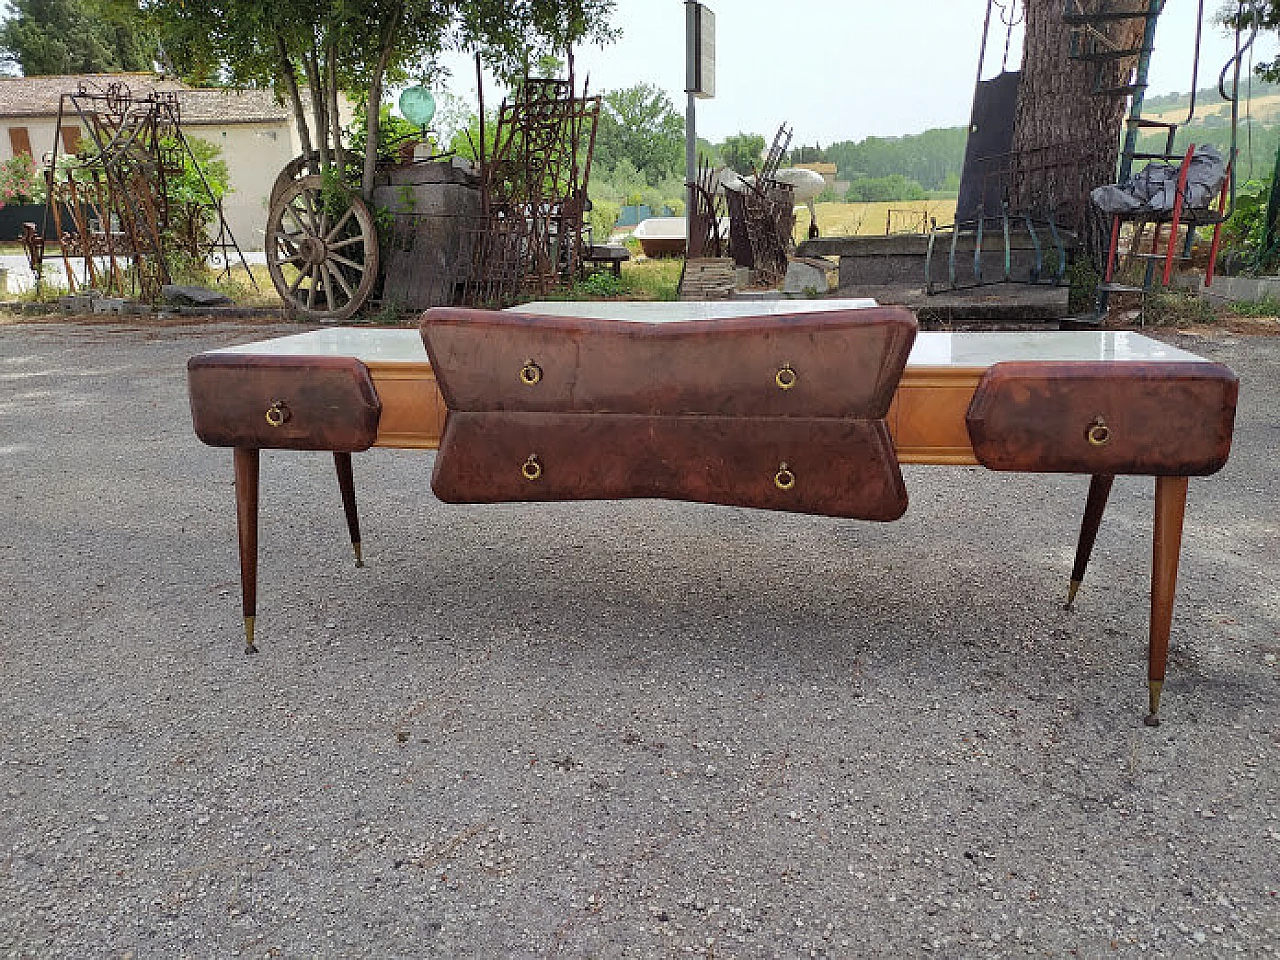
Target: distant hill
[
  {"x": 934, "y": 158},
  {"x": 1263, "y": 100},
  {"x": 1257, "y": 136}
]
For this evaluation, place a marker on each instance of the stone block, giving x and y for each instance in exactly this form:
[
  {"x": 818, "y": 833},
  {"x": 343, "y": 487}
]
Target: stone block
[{"x": 809, "y": 274}]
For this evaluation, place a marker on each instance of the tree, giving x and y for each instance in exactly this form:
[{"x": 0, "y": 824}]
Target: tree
[
  {"x": 1067, "y": 135},
  {"x": 1268, "y": 15},
  {"x": 879, "y": 189},
  {"x": 743, "y": 153},
  {"x": 45, "y": 37},
  {"x": 641, "y": 124},
  {"x": 358, "y": 47}
]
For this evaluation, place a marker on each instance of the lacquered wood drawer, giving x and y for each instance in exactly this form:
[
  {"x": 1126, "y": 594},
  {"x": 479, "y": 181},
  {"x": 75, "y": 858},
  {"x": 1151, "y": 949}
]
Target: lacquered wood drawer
[
  {"x": 1153, "y": 418},
  {"x": 830, "y": 467},
  {"x": 833, "y": 364},
  {"x": 283, "y": 402}
]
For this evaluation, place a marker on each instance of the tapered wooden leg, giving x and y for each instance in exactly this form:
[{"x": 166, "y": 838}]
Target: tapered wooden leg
[
  {"x": 1095, "y": 505},
  {"x": 347, "y": 484},
  {"x": 1171, "y": 506},
  {"x": 247, "y": 526}
]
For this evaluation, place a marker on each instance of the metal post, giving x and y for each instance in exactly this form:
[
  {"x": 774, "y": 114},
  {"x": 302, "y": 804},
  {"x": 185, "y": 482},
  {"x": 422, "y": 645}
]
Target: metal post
[
  {"x": 690, "y": 166},
  {"x": 1135, "y": 105},
  {"x": 690, "y": 120}
]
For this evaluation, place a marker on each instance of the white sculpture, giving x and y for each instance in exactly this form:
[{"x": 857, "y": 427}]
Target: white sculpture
[{"x": 806, "y": 184}]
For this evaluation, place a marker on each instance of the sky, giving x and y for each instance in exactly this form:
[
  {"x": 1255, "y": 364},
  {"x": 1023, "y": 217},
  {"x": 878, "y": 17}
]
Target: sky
[{"x": 843, "y": 69}]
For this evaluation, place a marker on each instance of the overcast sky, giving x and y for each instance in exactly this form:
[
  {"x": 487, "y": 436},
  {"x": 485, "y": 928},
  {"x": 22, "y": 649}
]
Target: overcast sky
[{"x": 843, "y": 69}]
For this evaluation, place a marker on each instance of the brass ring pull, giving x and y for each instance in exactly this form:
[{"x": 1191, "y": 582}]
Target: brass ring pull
[
  {"x": 530, "y": 373},
  {"x": 786, "y": 377},
  {"x": 278, "y": 413},
  {"x": 1098, "y": 433},
  {"x": 532, "y": 469},
  {"x": 784, "y": 479}
]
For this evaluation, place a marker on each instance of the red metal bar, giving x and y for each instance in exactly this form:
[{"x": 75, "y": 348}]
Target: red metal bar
[
  {"x": 1217, "y": 228},
  {"x": 1177, "y": 214},
  {"x": 1111, "y": 250}
]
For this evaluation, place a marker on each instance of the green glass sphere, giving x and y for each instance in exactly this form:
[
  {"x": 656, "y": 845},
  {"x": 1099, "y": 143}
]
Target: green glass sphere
[{"x": 418, "y": 106}]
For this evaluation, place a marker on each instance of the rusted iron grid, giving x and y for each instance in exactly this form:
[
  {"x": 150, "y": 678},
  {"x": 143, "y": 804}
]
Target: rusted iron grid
[
  {"x": 705, "y": 239},
  {"x": 109, "y": 205},
  {"x": 534, "y": 193}
]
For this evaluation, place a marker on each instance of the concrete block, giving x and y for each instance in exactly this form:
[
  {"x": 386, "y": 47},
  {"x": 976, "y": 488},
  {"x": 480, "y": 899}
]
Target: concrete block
[
  {"x": 1240, "y": 288},
  {"x": 809, "y": 274}
]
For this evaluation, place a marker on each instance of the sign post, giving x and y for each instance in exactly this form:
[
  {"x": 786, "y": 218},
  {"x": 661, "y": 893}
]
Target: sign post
[{"x": 699, "y": 83}]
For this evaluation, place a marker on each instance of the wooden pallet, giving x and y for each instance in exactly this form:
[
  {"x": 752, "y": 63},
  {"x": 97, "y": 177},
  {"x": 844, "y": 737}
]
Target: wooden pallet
[{"x": 709, "y": 278}]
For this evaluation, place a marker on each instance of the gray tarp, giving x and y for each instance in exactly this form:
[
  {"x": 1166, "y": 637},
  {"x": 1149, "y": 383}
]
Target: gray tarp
[{"x": 1153, "y": 188}]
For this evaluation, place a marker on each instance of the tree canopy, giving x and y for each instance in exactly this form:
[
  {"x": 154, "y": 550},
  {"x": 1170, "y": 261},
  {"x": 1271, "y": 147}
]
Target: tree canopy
[
  {"x": 44, "y": 37},
  {"x": 359, "y": 47},
  {"x": 743, "y": 153},
  {"x": 641, "y": 124}
]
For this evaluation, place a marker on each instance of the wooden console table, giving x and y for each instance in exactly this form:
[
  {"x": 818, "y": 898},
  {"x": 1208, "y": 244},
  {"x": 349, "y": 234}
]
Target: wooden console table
[{"x": 1095, "y": 403}]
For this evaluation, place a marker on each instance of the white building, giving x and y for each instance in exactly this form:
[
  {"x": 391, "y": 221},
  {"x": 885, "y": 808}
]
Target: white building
[{"x": 255, "y": 133}]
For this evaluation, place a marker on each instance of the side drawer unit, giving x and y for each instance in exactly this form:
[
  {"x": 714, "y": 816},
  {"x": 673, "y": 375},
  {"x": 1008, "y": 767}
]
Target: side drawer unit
[
  {"x": 283, "y": 403},
  {"x": 1159, "y": 418}
]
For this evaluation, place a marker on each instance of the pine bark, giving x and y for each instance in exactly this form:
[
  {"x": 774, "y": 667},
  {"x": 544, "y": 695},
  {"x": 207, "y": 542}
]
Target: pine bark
[{"x": 1066, "y": 138}]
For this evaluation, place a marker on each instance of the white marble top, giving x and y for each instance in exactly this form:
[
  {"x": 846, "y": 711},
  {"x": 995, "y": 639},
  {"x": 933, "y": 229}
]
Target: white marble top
[
  {"x": 666, "y": 311},
  {"x": 931, "y": 349}
]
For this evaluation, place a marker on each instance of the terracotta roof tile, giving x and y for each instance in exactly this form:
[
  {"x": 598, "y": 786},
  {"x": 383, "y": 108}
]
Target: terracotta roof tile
[{"x": 39, "y": 97}]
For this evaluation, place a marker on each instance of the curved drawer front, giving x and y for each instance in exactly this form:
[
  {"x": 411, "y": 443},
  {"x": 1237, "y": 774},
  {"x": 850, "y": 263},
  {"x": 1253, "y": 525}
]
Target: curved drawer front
[
  {"x": 1150, "y": 418},
  {"x": 283, "y": 403},
  {"x": 843, "y": 363},
  {"x": 829, "y": 467}
]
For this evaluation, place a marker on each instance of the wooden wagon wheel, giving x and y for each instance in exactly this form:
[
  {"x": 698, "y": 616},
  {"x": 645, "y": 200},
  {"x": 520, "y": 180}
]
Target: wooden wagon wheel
[
  {"x": 300, "y": 166},
  {"x": 332, "y": 257}
]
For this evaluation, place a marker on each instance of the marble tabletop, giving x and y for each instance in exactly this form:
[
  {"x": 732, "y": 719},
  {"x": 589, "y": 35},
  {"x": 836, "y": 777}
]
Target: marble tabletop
[{"x": 931, "y": 348}]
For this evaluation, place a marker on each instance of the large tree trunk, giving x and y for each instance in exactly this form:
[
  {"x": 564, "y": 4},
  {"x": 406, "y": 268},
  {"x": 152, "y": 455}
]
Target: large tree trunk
[
  {"x": 331, "y": 102},
  {"x": 319, "y": 106},
  {"x": 1066, "y": 138},
  {"x": 373, "y": 110},
  {"x": 289, "y": 76}
]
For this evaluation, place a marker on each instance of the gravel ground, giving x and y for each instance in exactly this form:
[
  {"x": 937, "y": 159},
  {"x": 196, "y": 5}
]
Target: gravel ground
[{"x": 612, "y": 729}]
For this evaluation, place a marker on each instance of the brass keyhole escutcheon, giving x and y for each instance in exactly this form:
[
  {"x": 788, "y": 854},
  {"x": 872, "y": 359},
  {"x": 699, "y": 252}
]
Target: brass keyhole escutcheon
[
  {"x": 784, "y": 479},
  {"x": 786, "y": 377},
  {"x": 532, "y": 469},
  {"x": 1098, "y": 433},
  {"x": 278, "y": 413},
  {"x": 530, "y": 373}
]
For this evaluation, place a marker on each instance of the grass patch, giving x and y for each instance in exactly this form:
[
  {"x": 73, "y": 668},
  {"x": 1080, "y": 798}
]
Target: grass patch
[
  {"x": 657, "y": 279},
  {"x": 1176, "y": 308},
  {"x": 872, "y": 219},
  {"x": 1265, "y": 307}
]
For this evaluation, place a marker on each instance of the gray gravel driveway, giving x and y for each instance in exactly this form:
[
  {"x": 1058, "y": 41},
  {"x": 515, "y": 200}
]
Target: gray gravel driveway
[{"x": 637, "y": 729}]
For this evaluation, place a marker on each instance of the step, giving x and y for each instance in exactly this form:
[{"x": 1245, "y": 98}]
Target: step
[
  {"x": 1120, "y": 288},
  {"x": 1152, "y": 124},
  {"x": 1139, "y": 155},
  {"x": 1110, "y": 16},
  {"x": 1122, "y": 91},
  {"x": 1107, "y": 55}
]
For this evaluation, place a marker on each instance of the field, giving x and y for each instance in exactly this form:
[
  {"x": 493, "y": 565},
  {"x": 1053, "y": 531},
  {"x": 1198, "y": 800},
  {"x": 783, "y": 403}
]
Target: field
[{"x": 870, "y": 219}]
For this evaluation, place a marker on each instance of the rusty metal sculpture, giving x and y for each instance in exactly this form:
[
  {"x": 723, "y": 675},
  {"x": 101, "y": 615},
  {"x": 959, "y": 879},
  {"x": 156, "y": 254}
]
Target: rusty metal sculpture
[
  {"x": 109, "y": 204},
  {"x": 762, "y": 217},
  {"x": 705, "y": 238},
  {"x": 534, "y": 193}
]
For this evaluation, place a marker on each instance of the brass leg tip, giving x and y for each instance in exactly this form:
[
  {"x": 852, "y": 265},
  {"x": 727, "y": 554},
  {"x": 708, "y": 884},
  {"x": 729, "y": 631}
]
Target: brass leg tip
[
  {"x": 248, "y": 636},
  {"x": 359, "y": 554},
  {"x": 1071, "y": 594},
  {"x": 1152, "y": 719}
]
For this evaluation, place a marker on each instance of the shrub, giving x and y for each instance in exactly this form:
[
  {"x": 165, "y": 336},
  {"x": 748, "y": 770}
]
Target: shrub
[
  {"x": 19, "y": 181},
  {"x": 880, "y": 189}
]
